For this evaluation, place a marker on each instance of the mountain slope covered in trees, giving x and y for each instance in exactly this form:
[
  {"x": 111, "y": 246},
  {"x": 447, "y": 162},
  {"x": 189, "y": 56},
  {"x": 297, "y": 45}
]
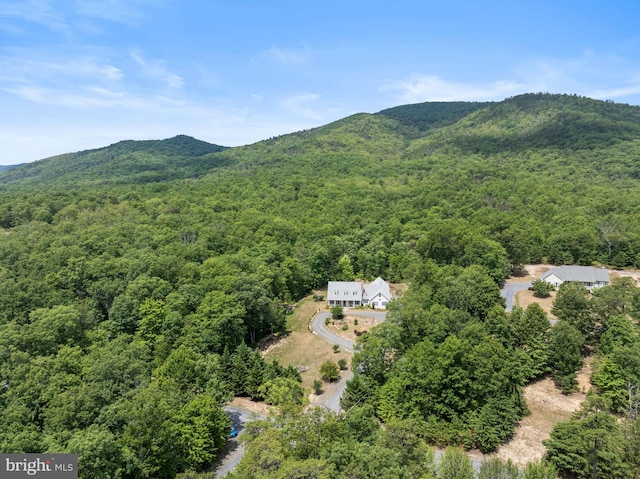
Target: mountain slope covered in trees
[
  {"x": 137, "y": 277},
  {"x": 124, "y": 162}
]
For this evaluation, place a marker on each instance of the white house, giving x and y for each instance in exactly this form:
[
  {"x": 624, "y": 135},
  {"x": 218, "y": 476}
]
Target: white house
[
  {"x": 376, "y": 294},
  {"x": 589, "y": 276},
  {"x": 349, "y": 294},
  {"x": 344, "y": 293}
]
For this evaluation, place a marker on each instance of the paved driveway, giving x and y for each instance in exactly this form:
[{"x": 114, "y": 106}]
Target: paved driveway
[
  {"x": 318, "y": 327},
  {"x": 331, "y": 398},
  {"x": 233, "y": 451},
  {"x": 509, "y": 290}
]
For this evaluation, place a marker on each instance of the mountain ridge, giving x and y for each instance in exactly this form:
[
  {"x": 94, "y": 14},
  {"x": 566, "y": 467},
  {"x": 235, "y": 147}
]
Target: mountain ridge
[
  {"x": 540, "y": 122},
  {"x": 125, "y": 161}
]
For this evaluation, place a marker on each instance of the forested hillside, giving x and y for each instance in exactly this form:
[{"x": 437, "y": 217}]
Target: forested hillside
[
  {"x": 125, "y": 162},
  {"x": 135, "y": 279}
]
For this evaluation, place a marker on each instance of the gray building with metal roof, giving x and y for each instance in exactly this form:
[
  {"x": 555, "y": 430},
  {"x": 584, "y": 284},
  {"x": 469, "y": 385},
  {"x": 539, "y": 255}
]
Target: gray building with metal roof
[{"x": 589, "y": 276}]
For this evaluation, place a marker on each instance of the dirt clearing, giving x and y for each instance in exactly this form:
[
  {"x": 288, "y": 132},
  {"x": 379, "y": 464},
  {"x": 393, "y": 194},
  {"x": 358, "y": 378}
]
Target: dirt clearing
[
  {"x": 301, "y": 348},
  {"x": 355, "y": 326},
  {"x": 249, "y": 405},
  {"x": 547, "y": 406},
  {"x": 525, "y": 297}
]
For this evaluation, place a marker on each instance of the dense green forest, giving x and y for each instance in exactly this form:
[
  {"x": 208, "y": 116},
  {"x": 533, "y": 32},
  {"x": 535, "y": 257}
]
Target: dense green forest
[{"x": 136, "y": 279}]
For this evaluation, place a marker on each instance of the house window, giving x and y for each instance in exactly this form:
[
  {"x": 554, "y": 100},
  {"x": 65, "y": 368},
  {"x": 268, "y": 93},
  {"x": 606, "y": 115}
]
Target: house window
[
  {"x": 345, "y": 292},
  {"x": 355, "y": 293}
]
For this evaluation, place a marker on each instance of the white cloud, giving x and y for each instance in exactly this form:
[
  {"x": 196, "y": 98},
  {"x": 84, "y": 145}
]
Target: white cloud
[
  {"x": 10, "y": 29},
  {"x": 595, "y": 75},
  {"x": 82, "y": 97},
  {"x": 421, "y": 88},
  {"x": 289, "y": 56},
  {"x": 592, "y": 74},
  {"x": 68, "y": 85},
  {"x": 299, "y": 105},
  {"x": 37, "y": 11},
  {"x": 156, "y": 69},
  {"x": 616, "y": 92},
  {"x": 29, "y": 75},
  {"x": 69, "y": 17},
  {"x": 127, "y": 12},
  {"x": 84, "y": 82}
]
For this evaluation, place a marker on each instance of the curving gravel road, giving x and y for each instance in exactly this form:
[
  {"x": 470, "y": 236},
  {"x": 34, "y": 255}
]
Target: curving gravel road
[
  {"x": 318, "y": 327},
  {"x": 233, "y": 451},
  {"x": 509, "y": 290},
  {"x": 330, "y": 399}
]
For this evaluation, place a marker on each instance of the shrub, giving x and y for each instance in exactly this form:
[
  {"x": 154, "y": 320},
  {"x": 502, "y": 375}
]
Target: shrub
[
  {"x": 317, "y": 386},
  {"x": 329, "y": 371},
  {"x": 337, "y": 312},
  {"x": 541, "y": 289}
]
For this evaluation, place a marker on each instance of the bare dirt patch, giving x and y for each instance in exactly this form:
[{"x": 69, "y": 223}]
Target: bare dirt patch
[
  {"x": 249, "y": 405},
  {"x": 534, "y": 271},
  {"x": 635, "y": 274},
  {"x": 356, "y": 326},
  {"x": 302, "y": 348},
  {"x": 547, "y": 406},
  {"x": 525, "y": 297},
  {"x": 584, "y": 375},
  {"x": 398, "y": 289}
]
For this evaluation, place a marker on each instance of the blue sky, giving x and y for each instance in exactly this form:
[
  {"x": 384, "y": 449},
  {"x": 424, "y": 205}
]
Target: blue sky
[{"x": 79, "y": 74}]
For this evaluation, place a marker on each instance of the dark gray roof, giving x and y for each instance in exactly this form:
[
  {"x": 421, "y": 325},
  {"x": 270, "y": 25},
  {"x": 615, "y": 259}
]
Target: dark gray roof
[{"x": 583, "y": 274}]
